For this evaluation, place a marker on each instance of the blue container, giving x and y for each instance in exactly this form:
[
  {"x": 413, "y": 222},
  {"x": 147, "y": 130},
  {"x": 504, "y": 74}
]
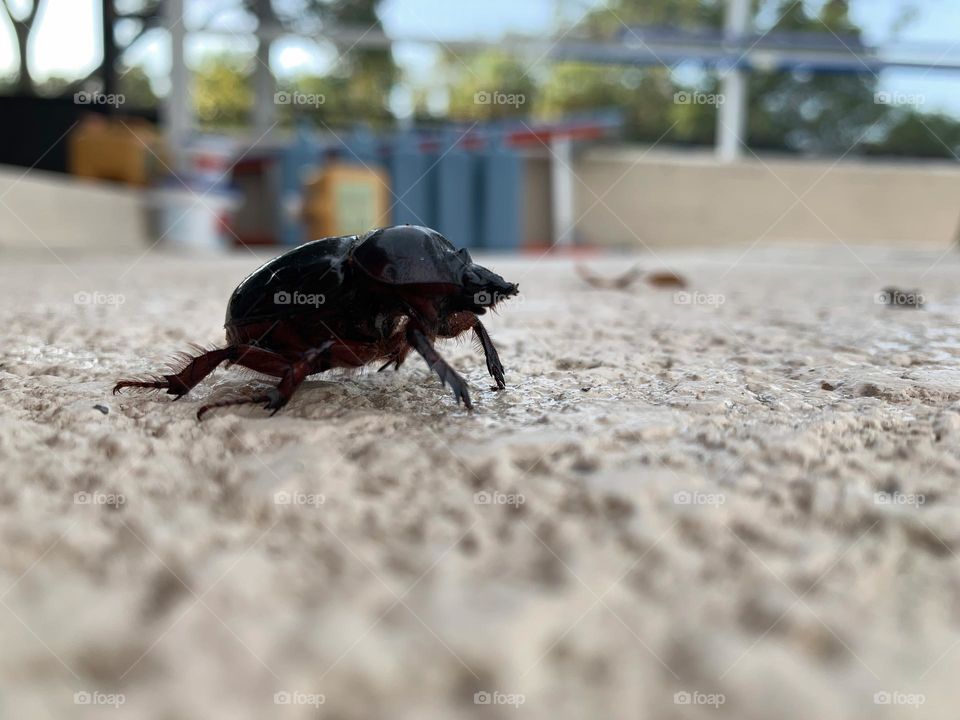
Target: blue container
[
  {"x": 414, "y": 182},
  {"x": 297, "y": 163},
  {"x": 361, "y": 148},
  {"x": 457, "y": 189},
  {"x": 501, "y": 179}
]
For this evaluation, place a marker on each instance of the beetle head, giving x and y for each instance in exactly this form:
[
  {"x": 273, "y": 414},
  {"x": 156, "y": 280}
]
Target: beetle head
[
  {"x": 482, "y": 288},
  {"x": 421, "y": 259}
]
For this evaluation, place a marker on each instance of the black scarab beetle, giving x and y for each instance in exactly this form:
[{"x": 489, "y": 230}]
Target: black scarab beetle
[{"x": 345, "y": 302}]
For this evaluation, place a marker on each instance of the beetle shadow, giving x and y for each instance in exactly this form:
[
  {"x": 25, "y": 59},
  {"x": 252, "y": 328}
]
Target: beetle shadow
[{"x": 343, "y": 392}]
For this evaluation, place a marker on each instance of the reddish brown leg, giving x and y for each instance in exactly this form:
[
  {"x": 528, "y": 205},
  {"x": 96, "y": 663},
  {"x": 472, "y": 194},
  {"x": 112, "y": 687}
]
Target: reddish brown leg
[
  {"x": 291, "y": 377},
  {"x": 179, "y": 383},
  {"x": 197, "y": 368}
]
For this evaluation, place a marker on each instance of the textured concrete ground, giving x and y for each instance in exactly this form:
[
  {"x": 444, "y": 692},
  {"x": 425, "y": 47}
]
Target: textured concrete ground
[{"x": 738, "y": 503}]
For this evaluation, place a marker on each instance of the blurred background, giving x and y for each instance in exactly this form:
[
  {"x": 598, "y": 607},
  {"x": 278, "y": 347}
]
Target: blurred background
[{"x": 216, "y": 124}]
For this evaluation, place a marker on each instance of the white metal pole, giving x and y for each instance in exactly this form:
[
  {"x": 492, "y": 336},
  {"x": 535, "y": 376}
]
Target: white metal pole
[
  {"x": 264, "y": 82},
  {"x": 562, "y": 191},
  {"x": 265, "y": 87},
  {"x": 733, "y": 107},
  {"x": 178, "y": 105}
]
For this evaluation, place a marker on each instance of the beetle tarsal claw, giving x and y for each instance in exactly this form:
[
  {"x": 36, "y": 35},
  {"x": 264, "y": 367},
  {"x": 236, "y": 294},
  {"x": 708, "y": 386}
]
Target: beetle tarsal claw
[{"x": 274, "y": 401}]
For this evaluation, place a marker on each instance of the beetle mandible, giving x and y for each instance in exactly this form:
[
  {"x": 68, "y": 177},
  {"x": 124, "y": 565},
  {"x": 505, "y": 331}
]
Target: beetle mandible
[{"x": 344, "y": 302}]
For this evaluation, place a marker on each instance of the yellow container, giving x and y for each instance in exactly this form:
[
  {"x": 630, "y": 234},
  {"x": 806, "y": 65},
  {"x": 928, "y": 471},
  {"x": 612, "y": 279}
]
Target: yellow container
[
  {"x": 344, "y": 200},
  {"x": 128, "y": 151}
]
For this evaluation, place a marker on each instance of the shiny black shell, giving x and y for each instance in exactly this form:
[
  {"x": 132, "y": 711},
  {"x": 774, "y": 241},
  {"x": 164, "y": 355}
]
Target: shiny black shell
[{"x": 324, "y": 277}]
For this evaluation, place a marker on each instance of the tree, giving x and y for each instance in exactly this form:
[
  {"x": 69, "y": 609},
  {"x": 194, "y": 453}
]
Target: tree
[
  {"x": 492, "y": 86},
  {"x": 23, "y": 27},
  {"x": 807, "y": 112},
  {"x": 915, "y": 134},
  {"x": 651, "y": 99},
  {"x": 223, "y": 95},
  {"x": 134, "y": 85},
  {"x": 363, "y": 77},
  {"x": 645, "y": 96},
  {"x": 788, "y": 111},
  {"x": 617, "y": 16},
  {"x": 358, "y": 86},
  {"x": 137, "y": 18}
]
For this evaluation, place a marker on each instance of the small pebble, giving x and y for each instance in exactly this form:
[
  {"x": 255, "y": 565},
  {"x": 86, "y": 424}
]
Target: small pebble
[
  {"x": 102, "y": 408},
  {"x": 868, "y": 390}
]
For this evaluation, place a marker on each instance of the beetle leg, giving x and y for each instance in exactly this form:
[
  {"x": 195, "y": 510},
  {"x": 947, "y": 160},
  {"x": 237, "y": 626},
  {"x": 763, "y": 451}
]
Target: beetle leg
[
  {"x": 291, "y": 378},
  {"x": 195, "y": 369},
  {"x": 179, "y": 383},
  {"x": 270, "y": 399},
  {"x": 396, "y": 359},
  {"x": 494, "y": 367},
  {"x": 447, "y": 374}
]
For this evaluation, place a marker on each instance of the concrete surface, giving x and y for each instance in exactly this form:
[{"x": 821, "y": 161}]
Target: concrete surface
[{"x": 736, "y": 503}]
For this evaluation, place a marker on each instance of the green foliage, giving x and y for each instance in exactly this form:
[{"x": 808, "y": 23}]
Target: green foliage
[
  {"x": 223, "y": 91},
  {"x": 793, "y": 112},
  {"x": 804, "y": 112},
  {"x": 645, "y": 96},
  {"x": 357, "y": 89},
  {"x": 616, "y": 15},
  {"x": 343, "y": 97},
  {"x": 134, "y": 85},
  {"x": 930, "y": 135},
  {"x": 53, "y": 86},
  {"x": 492, "y": 86}
]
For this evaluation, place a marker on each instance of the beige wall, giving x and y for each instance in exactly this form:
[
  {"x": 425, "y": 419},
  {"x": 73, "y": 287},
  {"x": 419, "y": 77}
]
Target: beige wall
[
  {"x": 41, "y": 210},
  {"x": 671, "y": 198}
]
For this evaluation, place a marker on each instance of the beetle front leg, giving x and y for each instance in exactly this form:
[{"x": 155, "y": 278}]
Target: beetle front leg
[
  {"x": 421, "y": 343},
  {"x": 494, "y": 367}
]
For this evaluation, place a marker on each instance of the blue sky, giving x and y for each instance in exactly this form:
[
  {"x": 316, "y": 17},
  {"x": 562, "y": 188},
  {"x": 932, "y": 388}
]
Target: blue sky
[{"x": 66, "y": 42}]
